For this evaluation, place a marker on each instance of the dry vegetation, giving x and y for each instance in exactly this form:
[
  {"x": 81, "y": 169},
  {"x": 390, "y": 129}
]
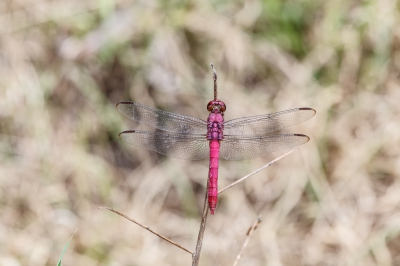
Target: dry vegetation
[{"x": 65, "y": 64}]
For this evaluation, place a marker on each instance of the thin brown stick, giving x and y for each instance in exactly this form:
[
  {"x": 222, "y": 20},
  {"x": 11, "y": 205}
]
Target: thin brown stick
[
  {"x": 148, "y": 229},
  {"x": 196, "y": 254},
  {"x": 215, "y": 82},
  {"x": 246, "y": 241},
  {"x": 255, "y": 172}
]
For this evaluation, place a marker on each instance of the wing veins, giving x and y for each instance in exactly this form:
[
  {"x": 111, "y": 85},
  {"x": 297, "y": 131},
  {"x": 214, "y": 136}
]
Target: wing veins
[{"x": 161, "y": 119}]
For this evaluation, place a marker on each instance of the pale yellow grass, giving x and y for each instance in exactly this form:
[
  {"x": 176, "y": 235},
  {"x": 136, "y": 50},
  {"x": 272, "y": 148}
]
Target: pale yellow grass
[{"x": 65, "y": 64}]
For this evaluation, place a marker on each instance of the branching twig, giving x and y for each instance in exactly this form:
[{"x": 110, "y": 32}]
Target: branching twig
[
  {"x": 249, "y": 233},
  {"x": 196, "y": 254},
  {"x": 255, "y": 172},
  {"x": 148, "y": 229}
]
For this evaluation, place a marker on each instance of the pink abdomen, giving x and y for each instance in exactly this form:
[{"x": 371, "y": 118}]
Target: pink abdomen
[{"x": 213, "y": 175}]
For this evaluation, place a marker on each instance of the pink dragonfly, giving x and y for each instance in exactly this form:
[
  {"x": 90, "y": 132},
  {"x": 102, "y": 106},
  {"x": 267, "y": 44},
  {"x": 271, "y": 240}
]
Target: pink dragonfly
[{"x": 192, "y": 138}]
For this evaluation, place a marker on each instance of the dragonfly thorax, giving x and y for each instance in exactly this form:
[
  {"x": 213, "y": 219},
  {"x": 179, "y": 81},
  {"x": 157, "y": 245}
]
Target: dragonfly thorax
[{"x": 215, "y": 126}]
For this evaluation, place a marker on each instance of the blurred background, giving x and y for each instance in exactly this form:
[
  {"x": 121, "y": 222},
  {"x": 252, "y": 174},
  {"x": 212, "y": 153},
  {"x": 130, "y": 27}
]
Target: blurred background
[{"x": 65, "y": 64}]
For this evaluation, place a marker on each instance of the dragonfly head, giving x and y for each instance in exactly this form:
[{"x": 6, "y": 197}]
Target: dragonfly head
[{"x": 216, "y": 106}]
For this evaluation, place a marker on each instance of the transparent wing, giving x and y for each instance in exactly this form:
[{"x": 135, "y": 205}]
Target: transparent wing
[
  {"x": 247, "y": 147},
  {"x": 181, "y": 146},
  {"x": 263, "y": 124},
  {"x": 161, "y": 119}
]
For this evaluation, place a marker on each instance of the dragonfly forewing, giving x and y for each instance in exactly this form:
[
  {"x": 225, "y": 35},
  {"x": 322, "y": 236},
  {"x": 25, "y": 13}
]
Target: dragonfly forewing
[
  {"x": 263, "y": 124},
  {"x": 248, "y": 147},
  {"x": 180, "y": 146},
  {"x": 162, "y": 119}
]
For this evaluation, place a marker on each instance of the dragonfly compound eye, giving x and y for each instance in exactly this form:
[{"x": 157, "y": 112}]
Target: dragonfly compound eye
[
  {"x": 222, "y": 106},
  {"x": 210, "y": 106}
]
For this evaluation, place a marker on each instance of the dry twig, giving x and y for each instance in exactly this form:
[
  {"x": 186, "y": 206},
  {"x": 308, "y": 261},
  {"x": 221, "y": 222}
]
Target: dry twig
[
  {"x": 148, "y": 229},
  {"x": 255, "y": 172},
  {"x": 246, "y": 241},
  {"x": 196, "y": 254}
]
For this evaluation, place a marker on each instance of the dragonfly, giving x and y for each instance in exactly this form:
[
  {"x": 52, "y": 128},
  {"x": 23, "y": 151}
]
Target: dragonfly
[{"x": 191, "y": 138}]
